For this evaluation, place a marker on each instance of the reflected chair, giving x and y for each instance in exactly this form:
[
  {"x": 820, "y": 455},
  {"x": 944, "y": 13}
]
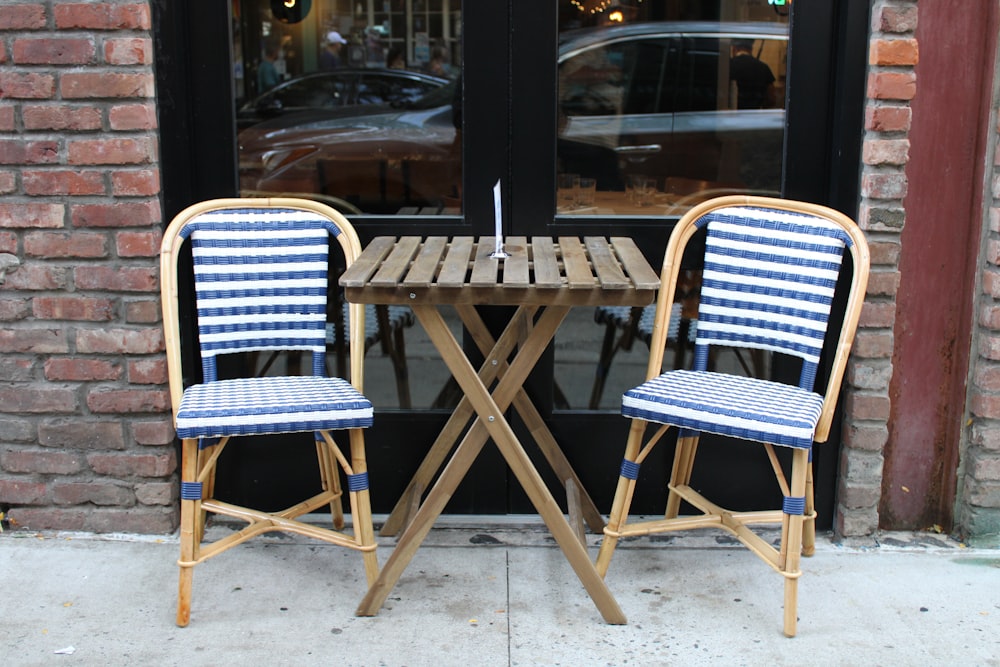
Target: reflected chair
[
  {"x": 260, "y": 278},
  {"x": 624, "y": 325},
  {"x": 771, "y": 268},
  {"x": 384, "y": 325}
]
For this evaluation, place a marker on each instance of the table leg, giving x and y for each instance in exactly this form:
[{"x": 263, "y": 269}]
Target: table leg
[
  {"x": 436, "y": 455},
  {"x": 462, "y": 458},
  {"x": 414, "y": 533},
  {"x": 489, "y": 412},
  {"x": 492, "y": 420},
  {"x": 438, "y": 452},
  {"x": 533, "y": 420}
]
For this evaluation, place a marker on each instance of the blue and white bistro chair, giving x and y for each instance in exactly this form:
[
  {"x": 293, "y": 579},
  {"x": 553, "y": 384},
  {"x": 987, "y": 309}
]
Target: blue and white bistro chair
[
  {"x": 260, "y": 276},
  {"x": 770, "y": 270}
]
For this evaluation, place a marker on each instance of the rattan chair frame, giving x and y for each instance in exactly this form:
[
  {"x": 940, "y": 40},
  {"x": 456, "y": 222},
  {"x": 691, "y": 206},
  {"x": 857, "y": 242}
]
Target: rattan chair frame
[
  {"x": 797, "y": 530},
  {"x": 198, "y": 465}
]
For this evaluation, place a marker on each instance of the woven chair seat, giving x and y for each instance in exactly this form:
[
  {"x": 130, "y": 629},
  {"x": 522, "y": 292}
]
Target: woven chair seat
[
  {"x": 741, "y": 407},
  {"x": 249, "y": 406}
]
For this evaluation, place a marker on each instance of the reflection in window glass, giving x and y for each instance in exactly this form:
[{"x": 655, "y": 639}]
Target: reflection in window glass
[
  {"x": 665, "y": 104},
  {"x": 354, "y": 106},
  {"x": 661, "y": 105}
]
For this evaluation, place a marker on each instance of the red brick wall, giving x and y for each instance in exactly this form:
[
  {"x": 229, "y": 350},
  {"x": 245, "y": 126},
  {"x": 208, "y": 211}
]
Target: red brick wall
[
  {"x": 893, "y": 83},
  {"x": 85, "y": 435}
]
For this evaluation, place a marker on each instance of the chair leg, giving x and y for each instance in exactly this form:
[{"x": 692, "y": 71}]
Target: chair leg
[
  {"x": 190, "y": 534},
  {"x": 623, "y": 499},
  {"x": 361, "y": 510},
  {"x": 680, "y": 474},
  {"x": 792, "y": 541},
  {"x": 329, "y": 473},
  {"x": 809, "y": 522}
]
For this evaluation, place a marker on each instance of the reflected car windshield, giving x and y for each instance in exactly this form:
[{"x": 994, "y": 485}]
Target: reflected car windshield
[{"x": 438, "y": 97}]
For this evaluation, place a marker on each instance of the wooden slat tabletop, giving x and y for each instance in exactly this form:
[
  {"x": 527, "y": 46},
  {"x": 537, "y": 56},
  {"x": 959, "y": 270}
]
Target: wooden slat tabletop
[
  {"x": 516, "y": 268},
  {"x": 485, "y": 269},
  {"x": 456, "y": 264},
  {"x": 576, "y": 264},
  {"x": 395, "y": 266},
  {"x": 425, "y": 265},
  {"x": 462, "y": 270},
  {"x": 635, "y": 264},
  {"x": 547, "y": 272},
  {"x": 609, "y": 271}
]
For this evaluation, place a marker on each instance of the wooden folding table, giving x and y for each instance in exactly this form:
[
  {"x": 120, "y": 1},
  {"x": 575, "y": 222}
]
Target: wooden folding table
[{"x": 544, "y": 278}]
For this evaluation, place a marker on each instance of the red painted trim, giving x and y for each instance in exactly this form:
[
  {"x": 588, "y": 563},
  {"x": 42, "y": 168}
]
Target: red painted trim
[{"x": 939, "y": 247}]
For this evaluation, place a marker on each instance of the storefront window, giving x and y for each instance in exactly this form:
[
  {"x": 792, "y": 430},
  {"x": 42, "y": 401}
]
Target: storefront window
[
  {"x": 664, "y": 104},
  {"x": 355, "y": 104}
]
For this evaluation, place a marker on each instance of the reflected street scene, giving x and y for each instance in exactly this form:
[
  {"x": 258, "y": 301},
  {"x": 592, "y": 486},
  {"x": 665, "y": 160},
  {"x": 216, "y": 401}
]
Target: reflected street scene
[
  {"x": 351, "y": 103},
  {"x": 660, "y": 105},
  {"x": 660, "y": 115}
]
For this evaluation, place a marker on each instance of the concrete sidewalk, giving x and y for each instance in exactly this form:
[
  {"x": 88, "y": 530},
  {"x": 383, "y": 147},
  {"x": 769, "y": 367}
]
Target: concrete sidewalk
[{"x": 502, "y": 595}]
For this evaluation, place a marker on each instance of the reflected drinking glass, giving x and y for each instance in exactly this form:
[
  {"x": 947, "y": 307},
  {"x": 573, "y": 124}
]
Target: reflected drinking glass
[
  {"x": 568, "y": 186},
  {"x": 643, "y": 190},
  {"x": 586, "y": 192}
]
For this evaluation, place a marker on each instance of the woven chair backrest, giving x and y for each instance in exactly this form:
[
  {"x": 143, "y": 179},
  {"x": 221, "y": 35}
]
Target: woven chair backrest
[
  {"x": 768, "y": 283},
  {"x": 260, "y": 281}
]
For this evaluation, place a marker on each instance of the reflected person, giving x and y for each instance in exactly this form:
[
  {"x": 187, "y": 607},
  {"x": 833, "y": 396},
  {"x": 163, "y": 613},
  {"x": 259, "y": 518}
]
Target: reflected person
[
  {"x": 395, "y": 58},
  {"x": 267, "y": 72},
  {"x": 754, "y": 79},
  {"x": 329, "y": 57}
]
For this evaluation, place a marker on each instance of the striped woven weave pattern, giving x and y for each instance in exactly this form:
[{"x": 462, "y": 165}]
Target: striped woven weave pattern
[
  {"x": 260, "y": 284},
  {"x": 769, "y": 279},
  {"x": 741, "y": 407},
  {"x": 768, "y": 283},
  {"x": 261, "y": 279},
  {"x": 644, "y": 327}
]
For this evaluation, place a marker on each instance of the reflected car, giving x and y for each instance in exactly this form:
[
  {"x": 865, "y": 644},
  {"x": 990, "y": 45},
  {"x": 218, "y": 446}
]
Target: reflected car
[
  {"x": 654, "y": 99},
  {"x": 377, "y": 158},
  {"x": 339, "y": 88}
]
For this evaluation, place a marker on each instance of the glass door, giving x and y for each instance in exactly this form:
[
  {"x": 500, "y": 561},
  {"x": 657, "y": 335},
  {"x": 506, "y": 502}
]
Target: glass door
[
  {"x": 643, "y": 110},
  {"x": 655, "y": 116}
]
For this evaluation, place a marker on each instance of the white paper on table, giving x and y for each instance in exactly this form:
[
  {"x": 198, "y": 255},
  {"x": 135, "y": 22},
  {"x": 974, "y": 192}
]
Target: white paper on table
[{"x": 498, "y": 251}]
